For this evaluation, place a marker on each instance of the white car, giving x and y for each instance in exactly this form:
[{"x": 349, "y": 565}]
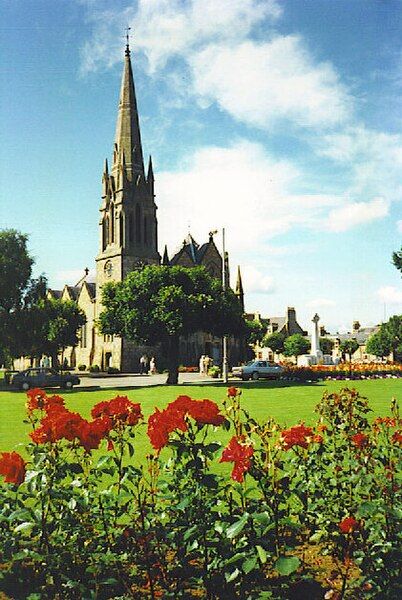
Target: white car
[{"x": 256, "y": 369}]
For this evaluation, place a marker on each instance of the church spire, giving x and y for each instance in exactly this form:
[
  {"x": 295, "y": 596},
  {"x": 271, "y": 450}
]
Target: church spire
[
  {"x": 239, "y": 288},
  {"x": 128, "y": 137}
]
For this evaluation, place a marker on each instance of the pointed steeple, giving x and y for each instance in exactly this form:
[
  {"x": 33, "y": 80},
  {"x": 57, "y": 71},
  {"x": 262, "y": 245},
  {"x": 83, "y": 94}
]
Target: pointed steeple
[
  {"x": 150, "y": 176},
  {"x": 165, "y": 259},
  {"x": 239, "y": 288},
  {"x": 128, "y": 137}
]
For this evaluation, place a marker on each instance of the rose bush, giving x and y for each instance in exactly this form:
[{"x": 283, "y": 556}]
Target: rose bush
[{"x": 276, "y": 512}]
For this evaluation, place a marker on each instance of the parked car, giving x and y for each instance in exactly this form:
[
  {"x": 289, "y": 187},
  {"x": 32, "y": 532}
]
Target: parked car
[
  {"x": 41, "y": 378},
  {"x": 256, "y": 369}
]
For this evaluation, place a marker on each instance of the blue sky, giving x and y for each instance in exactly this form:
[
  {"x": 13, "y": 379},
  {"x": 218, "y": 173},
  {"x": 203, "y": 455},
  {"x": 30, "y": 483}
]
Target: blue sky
[{"x": 278, "y": 120}]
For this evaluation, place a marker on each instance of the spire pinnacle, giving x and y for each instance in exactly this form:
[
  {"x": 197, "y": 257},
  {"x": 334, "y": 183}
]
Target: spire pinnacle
[
  {"x": 239, "y": 288},
  {"x": 128, "y": 29},
  {"x": 128, "y": 137}
]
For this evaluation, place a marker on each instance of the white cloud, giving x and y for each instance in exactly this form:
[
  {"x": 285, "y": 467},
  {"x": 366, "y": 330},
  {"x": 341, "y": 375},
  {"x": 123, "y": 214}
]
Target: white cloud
[
  {"x": 261, "y": 82},
  {"x": 373, "y": 158},
  {"x": 390, "y": 295},
  {"x": 256, "y": 82},
  {"x": 320, "y": 303},
  {"x": 241, "y": 188},
  {"x": 169, "y": 28},
  {"x": 256, "y": 282},
  {"x": 356, "y": 213}
]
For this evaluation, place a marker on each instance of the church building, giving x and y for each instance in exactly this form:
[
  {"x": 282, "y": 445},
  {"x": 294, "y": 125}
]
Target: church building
[{"x": 128, "y": 239}]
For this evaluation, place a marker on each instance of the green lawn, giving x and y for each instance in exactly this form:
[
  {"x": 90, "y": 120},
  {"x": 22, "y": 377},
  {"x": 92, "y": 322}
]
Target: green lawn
[{"x": 287, "y": 402}]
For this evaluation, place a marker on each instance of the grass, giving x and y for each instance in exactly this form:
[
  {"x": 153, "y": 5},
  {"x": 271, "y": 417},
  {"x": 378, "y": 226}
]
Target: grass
[{"x": 286, "y": 402}]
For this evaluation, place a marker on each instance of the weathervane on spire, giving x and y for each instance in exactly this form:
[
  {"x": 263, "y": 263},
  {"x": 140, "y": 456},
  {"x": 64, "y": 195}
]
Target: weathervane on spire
[{"x": 128, "y": 29}]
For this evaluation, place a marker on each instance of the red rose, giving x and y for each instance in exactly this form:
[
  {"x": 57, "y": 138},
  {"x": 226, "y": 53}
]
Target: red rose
[
  {"x": 233, "y": 392},
  {"x": 54, "y": 403},
  {"x": 360, "y": 440},
  {"x": 348, "y": 525},
  {"x": 206, "y": 412},
  {"x": 240, "y": 454},
  {"x": 59, "y": 423},
  {"x": 397, "y": 437},
  {"x": 119, "y": 409},
  {"x": 36, "y": 400},
  {"x": 182, "y": 403},
  {"x": 299, "y": 435},
  {"x": 92, "y": 433},
  {"x": 157, "y": 430},
  {"x": 12, "y": 467}
]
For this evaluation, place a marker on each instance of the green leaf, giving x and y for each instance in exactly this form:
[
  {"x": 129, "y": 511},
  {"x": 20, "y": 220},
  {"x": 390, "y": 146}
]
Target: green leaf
[
  {"x": 231, "y": 576},
  {"x": 262, "y": 555},
  {"x": 285, "y": 565},
  {"x": 237, "y": 527},
  {"x": 235, "y": 558},
  {"x": 24, "y": 526},
  {"x": 249, "y": 565}
]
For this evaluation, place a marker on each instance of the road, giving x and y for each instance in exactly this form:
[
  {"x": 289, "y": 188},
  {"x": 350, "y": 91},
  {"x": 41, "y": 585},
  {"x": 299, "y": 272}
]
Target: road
[{"x": 136, "y": 380}]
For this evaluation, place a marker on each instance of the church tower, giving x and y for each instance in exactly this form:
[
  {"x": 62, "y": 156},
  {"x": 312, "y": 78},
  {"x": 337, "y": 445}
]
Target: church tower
[{"x": 128, "y": 223}]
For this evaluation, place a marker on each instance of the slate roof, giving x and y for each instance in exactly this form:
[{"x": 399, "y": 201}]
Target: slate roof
[{"x": 193, "y": 249}]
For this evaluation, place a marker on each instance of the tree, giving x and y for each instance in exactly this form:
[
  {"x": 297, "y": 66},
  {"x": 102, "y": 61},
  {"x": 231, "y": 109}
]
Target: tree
[
  {"x": 275, "y": 341},
  {"x": 15, "y": 269},
  {"x": 397, "y": 259},
  {"x": 47, "y": 327},
  {"x": 159, "y": 304},
  {"x": 326, "y": 345},
  {"x": 380, "y": 343},
  {"x": 255, "y": 331},
  {"x": 295, "y": 345},
  {"x": 394, "y": 328}
]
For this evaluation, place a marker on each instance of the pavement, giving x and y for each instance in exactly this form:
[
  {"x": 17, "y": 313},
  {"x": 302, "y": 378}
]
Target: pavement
[{"x": 129, "y": 380}]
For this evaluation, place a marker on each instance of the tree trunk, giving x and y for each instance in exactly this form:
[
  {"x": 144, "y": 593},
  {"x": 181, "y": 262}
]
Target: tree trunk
[{"x": 173, "y": 360}]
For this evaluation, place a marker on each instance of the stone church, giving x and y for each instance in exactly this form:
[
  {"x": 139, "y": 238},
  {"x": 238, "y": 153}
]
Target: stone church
[{"x": 128, "y": 239}]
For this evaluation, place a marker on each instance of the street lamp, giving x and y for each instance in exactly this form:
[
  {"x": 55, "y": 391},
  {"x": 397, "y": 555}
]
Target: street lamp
[{"x": 225, "y": 337}]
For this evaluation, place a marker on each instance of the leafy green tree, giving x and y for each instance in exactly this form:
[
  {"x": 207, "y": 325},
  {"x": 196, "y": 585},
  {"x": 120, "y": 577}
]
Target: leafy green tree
[
  {"x": 275, "y": 341},
  {"x": 326, "y": 345},
  {"x": 397, "y": 259},
  {"x": 349, "y": 347},
  {"x": 394, "y": 328},
  {"x": 380, "y": 343},
  {"x": 47, "y": 327},
  {"x": 295, "y": 345},
  {"x": 160, "y": 304},
  {"x": 255, "y": 331},
  {"x": 15, "y": 269}
]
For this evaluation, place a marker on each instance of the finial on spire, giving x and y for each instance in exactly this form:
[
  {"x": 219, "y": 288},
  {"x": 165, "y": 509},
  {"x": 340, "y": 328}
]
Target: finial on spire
[{"x": 128, "y": 29}]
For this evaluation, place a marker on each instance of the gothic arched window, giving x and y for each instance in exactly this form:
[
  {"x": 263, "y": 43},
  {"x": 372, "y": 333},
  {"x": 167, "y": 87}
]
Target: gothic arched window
[
  {"x": 145, "y": 231},
  {"x": 112, "y": 223},
  {"x": 105, "y": 236},
  {"x": 130, "y": 228},
  {"x": 121, "y": 229},
  {"x": 138, "y": 224}
]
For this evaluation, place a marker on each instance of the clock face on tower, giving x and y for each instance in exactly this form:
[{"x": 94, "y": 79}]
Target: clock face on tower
[{"x": 108, "y": 268}]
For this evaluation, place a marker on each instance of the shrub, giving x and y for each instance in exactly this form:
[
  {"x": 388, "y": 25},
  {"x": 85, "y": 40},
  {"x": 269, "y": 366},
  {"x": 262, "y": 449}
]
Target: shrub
[
  {"x": 113, "y": 370},
  {"x": 94, "y": 369},
  {"x": 301, "y": 512},
  {"x": 82, "y": 367},
  {"x": 214, "y": 372}
]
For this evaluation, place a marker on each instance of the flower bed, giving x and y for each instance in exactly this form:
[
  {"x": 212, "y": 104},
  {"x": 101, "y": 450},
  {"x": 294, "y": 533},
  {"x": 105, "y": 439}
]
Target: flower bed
[
  {"x": 344, "y": 372},
  {"x": 302, "y": 512}
]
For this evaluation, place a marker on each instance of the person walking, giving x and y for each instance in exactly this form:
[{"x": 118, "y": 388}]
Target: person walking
[
  {"x": 143, "y": 364},
  {"x": 152, "y": 366},
  {"x": 202, "y": 364}
]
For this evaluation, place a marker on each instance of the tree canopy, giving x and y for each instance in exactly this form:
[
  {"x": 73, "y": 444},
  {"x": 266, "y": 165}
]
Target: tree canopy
[
  {"x": 295, "y": 345},
  {"x": 275, "y": 341},
  {"x": 160, "y": 304},
  {"x": 349, "y": 347},
  {"x": 397, "y": 259},
  {"x": 380, "y": 343}
]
